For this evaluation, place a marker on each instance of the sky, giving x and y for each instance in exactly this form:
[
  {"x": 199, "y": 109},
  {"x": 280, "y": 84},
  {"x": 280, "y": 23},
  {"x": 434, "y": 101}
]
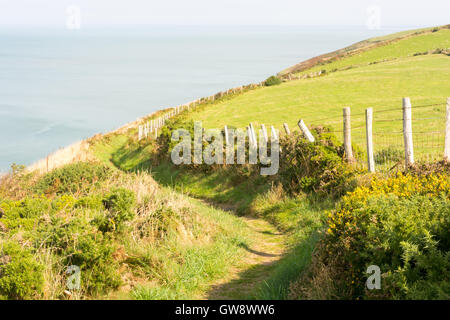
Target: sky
[{"x": 225, "y": 12}]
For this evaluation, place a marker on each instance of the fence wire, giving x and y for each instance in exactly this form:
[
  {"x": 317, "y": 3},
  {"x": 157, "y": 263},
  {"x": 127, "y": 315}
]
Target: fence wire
[{"x": 428, "y": 123}]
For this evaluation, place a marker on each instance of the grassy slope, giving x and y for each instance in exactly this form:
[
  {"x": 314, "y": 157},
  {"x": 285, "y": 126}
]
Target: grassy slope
[
  {"x": 318, "y": 101},
  {"x": 424, "y": 79},
  {"x": 403, "y": 48},
  {"x": 190, "y": 268}
]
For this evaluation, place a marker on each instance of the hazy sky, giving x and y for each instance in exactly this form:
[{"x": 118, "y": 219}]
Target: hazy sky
[{"x": 225, "y": 12}]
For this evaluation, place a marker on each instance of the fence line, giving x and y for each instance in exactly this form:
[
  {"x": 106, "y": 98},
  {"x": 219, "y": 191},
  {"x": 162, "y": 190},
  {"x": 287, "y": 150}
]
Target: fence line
[
  {"x": 145, "y": 130},
  {"x": 384, "y": 149},
  {"x": 78, "y": 151}
]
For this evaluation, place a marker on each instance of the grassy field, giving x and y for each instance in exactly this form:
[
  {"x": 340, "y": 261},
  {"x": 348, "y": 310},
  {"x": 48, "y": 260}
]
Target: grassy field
[
  {"x": 401, "y": 49},
  {"x": 319, "y": 101}
]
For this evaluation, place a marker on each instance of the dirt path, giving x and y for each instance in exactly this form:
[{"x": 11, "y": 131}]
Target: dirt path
[{"x": 242, "y": 282}]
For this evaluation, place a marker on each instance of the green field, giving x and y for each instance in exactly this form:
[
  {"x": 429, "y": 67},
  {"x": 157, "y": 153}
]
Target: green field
[
  {"x": 319, "y": 101},
  {"x": 400, "y": 49}
]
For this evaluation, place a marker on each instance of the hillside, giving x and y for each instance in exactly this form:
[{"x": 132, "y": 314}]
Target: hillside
[
  {"x": 378, "y": 78},
  {"x": 369, "y": 50},
  {"x": 142, "y": 228}
]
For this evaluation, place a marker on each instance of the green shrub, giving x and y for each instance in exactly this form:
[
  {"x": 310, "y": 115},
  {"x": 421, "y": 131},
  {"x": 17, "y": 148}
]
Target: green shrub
[
  {"x": 78, "y": 242},
  {"x": 64, "y": 202},
  {"x": 93, "y": 253},
  {"x": 314, "y": 167},
  {"x": 119, "y": 203},
  {"x": 401, "y": 225},
  {"x": 17, "y": 169},
  {"x": 272, "y": 81},
  {"x": 23, "y": 214},
  {"x": 21, "y": 277},
  {"x": 73, "y": 178},
  {"x": 94, "y": 202}
]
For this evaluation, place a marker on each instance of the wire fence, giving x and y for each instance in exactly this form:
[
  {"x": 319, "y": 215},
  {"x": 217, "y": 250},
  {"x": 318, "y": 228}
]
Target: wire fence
[{"x": 429, "y": 123}]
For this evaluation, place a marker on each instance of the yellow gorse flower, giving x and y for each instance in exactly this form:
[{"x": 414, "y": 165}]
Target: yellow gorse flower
[{"x": 401, "y": 185}]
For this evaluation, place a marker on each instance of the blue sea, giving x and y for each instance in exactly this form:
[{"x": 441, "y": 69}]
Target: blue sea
[{"x": 58, "y": 86}]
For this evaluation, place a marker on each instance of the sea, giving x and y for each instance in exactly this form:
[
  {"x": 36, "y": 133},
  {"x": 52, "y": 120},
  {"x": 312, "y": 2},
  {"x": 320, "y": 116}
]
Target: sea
[{"x": 58, "y": 86}]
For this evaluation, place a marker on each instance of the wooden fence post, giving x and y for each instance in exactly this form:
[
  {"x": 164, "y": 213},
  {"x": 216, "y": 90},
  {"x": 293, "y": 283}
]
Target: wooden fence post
[
  {"x": 306, "y": 131},
  {"x": 370, "y": 159},
  {"x": 286, "y": 128},
  {"x": 407, "y": 132},
  {"x": 447, "y": 133},
  {"x": 140, "y": 132},
  {"x": 347, "y": 135}
]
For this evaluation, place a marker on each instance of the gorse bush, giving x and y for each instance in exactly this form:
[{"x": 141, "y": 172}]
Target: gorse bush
[
  {"x": 78, "y": 242},
  {"x": 166, "y": 147},
  {"x": 314, "y": 167},
  {"x": 304, "y": 167},
  {"x": 94, "y": 202},
  {"x": 73, "y": 178},
  {"x": 21, "y": 277},
  {"x": 23, "y": 214},
  {"x": 119, "y": 203},
  {"x": 93, "y": 253},
  {"x": 272, "y": 81},
  {"x": 74, "y": 229},
  {"x": 401, "y": 225}
]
